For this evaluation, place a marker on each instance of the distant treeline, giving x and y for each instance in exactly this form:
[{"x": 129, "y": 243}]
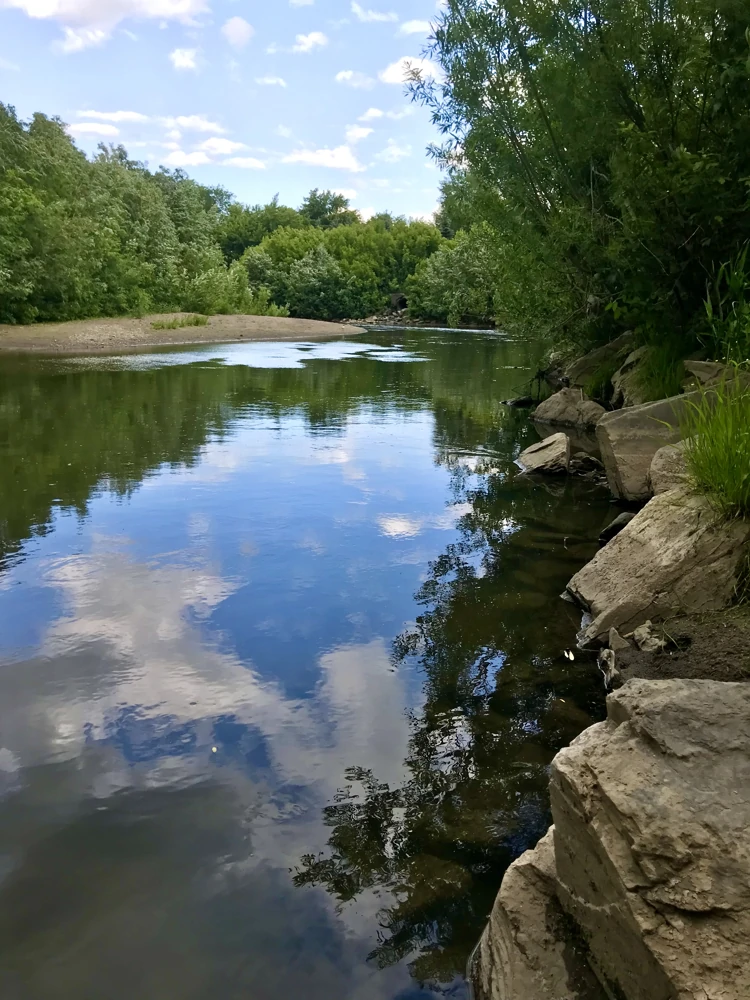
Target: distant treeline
[{"x": 106, "y": 236}]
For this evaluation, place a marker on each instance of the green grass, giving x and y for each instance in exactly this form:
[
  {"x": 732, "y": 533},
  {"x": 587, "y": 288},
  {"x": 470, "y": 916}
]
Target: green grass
[
  {"x": 179, "y": 322},
  {"x": 717, "y": 431},
  {"x": 661, "y": 372}
]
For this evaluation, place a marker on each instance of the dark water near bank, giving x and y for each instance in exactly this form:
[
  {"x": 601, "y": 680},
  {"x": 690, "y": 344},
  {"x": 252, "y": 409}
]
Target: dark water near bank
[{"x": 281, "y": 665}]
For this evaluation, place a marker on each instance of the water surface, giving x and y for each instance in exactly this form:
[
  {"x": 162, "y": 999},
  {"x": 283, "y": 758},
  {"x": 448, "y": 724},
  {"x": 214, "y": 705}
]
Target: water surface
[{"x": 281, "y": 665}]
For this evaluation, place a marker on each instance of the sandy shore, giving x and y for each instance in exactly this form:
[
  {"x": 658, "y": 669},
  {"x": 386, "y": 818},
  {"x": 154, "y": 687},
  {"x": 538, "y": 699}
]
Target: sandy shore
[{"x": 95, "y": 336}]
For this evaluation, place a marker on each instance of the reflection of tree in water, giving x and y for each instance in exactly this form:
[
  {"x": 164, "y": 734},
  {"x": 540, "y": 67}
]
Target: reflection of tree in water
[{"x": 499, "y": 701}]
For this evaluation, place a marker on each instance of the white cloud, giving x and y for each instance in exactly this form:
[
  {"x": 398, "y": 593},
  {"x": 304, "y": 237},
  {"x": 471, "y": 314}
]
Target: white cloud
[
  {"x": 77, "y": 39},
  {"x": 306, "y": 43},
  {"x": 369, "y": 16},
  {"x": 371, "y": 115},
  {"x": 355, "y": 133},
  {"x": 184, "y": 58},
  {"x": 114, "y": 116},
  {"x": 270, "y": 81},
  {"x": 221, "y": 147},
  {"x": 415, "y": 28},
  {"x": 8, "y": 66},
  {"x": 399, "y": 71},
  {"x": 340, "y": 158},
  {"x": 245, "y": 163},
  {"x": 193, "y": 123},
  {"x": 284, "y": 132},
  {"x": 179, "y": 158},
  {"x": 349, "y": 193},
  {"x": 238, "y": 32},
  {"x": 174, "y": 134},
  {"x": 301, "y": 3},
  {"x": 367, "y": 213},
  {"x": 91, "y": 22},
  {"x": 94, "y": 128},
  {"x": 353, "y": 78},
  {"x": 393, "y": 152}
]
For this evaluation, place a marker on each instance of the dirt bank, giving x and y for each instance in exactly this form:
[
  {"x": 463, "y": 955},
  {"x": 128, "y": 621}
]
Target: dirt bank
[
  {"x": 714, "y": 646},
  {"x": 94, "y": 336}
]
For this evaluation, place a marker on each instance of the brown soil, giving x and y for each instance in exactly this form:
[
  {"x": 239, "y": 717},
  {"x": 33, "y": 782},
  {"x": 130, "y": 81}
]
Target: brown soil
[
  {"x": 95, "y": 336},
  {"x": 705, "y": 647}
]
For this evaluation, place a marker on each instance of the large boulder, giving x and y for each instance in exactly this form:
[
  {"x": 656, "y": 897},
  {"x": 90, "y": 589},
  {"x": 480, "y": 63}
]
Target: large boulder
[
  {"x": 527, "y": 951},
  {"x": 674, "y": 556},
  {"x": 551, "y": 456},
  {"x": 581, "y": 372},
  {"x": 711, "y": 373},
  {"x": 652, "y": 840},
  {"x": 569, "y": 407},
  {"x": 629, "y": 439},
  {"x": 668, "y": 468}
]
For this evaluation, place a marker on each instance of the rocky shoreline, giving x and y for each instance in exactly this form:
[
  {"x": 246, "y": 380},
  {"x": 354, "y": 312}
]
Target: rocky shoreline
[{"x": 641, "y": 889}]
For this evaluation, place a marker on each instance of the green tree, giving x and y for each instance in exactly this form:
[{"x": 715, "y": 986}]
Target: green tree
[
  {"x": 327, "y": 210},
  {"x": 614, "y": 138}
]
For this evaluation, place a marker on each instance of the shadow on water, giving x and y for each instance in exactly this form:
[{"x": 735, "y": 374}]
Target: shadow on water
[{"x": 225, "y": 575}]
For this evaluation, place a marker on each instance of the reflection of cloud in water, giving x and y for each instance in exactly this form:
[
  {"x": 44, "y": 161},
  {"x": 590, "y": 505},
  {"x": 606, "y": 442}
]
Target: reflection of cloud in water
[
  {"x": 257, "y": 354},
  {"x": 126, "y": 640},
  {"x": 404, "y": 526},
  {"x": 125, "y": 695}
]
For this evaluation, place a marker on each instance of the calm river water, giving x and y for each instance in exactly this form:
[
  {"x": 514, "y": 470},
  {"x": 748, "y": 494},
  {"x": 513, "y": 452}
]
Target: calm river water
[{"x": 281, "y": 665}]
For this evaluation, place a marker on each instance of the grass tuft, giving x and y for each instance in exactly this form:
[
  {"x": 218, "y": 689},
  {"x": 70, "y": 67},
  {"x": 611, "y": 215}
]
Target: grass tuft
[
  {"x": 661, "y": 372},
  {"x": 717, "y": 432},
  {"x": 179, "y": 322}
]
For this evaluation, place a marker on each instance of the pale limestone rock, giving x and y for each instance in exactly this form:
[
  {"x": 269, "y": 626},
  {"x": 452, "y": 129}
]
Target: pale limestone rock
[
  {"x": 629, "y": 439},
  {"x": 551, "y": 456},
  {"x": 652, "y": 840},
  {"x": 616, "y": 642},
  {"x": 668, "y": 468},
  {"x": 526, "y": 952},
  {"x": 710, "y": 373},
  {"x": 674, "y": 556},
  {"x": 569, "y": 407},
  {"x": 581, "y": 371},
  {"x": 648, "y": 638}
]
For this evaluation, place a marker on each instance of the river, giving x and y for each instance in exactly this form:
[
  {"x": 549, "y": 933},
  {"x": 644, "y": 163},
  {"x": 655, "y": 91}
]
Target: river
[{"x": 281, "y": 665}]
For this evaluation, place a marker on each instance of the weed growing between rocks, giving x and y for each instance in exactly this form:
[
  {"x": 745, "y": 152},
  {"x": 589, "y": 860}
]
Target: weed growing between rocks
[
  {"x": 717, "y": 432},
  {"x": 180, "y": 322}
]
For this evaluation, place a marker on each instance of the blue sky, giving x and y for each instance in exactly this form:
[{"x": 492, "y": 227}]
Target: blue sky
[{"x": 262, "y": 97}]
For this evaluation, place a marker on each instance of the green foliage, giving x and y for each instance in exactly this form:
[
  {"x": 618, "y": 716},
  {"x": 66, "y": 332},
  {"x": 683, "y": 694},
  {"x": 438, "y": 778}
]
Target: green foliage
[
  {"x": 608, "y": 146},
  {"x": 599, "y": 385},
  {"x": 661, "y": 371},
  {"x": 319, "y": 288},
  {"x": 106, "y": 237},
  {"x": 728, "y": 311},
  {"x": 327, "y": 210},
  {"x": 180, "y": 322},
  {"x": 371, "y": 259},
  {"x": 717, "y": 430},
  {"x": 242, "y": 227}
]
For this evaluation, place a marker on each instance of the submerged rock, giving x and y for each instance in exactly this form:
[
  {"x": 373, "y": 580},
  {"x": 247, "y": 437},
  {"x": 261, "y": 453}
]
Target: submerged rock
[
  {"x": 629, "y": 439},
  {"x": 551, "y": 456},
  {"x": 652, "y": 840},
  {"x": 674, "y": 556},
  {"x": 527, "y": 951},
  {"x": 569, "y": 407}
]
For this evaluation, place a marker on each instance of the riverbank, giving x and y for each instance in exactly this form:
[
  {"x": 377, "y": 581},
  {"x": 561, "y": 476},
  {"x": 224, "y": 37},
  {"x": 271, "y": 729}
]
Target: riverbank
[
  {"x": 102, "y": 336},
  {"x": 640, "y": 888}
]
